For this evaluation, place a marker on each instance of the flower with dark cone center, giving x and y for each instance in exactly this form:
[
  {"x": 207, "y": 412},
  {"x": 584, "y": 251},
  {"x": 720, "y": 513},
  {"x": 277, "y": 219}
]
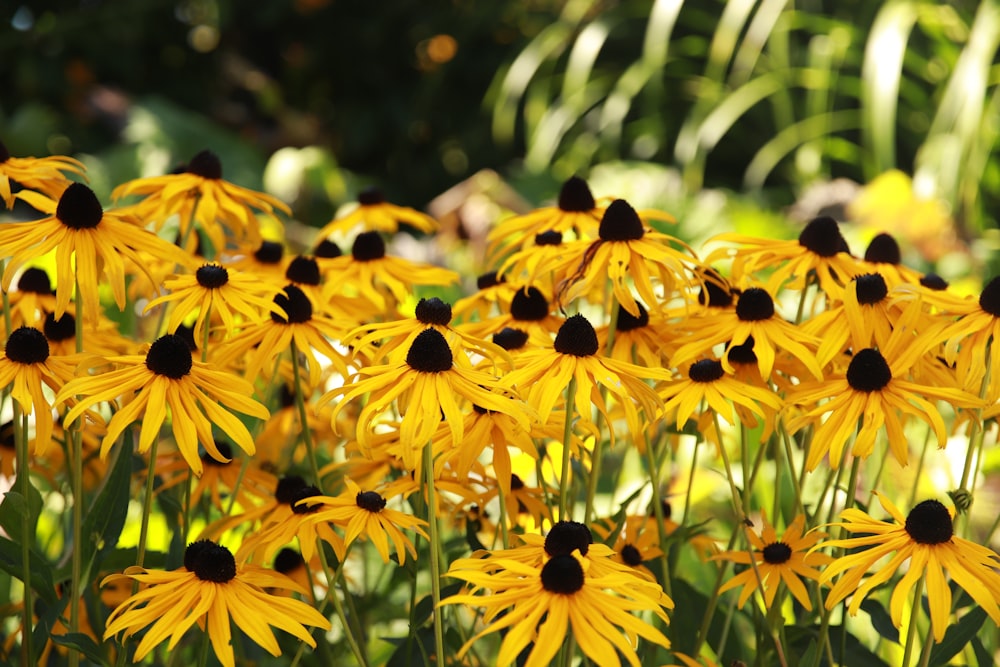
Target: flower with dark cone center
[
  {"x": 205, "y": 164},
  {"x": 4, "y": 153},
  {"x": 212, "y": 276},
  {"x": 27, "y": 346},
  {"x": 269, "y": 252},
  {"x": 567, "y": 536},
  {"x": 225, "y": 449},
  {"x": 631, "y": 555},
  {"x": 883, "y": 249},
  {"x": 870, "y": 288},
  {"x": 78, "y": 207},
  {"x": 287, "y": 487},
  {"x": 433, "y": 311},
  {"x": 515, "y": 482},
  {"x": 35, "y": 281},
  {"x": 575, "y": 196},
  {"x": 327, "y": 249},
  {"x": 368, "y": 246},
  {"x": 489, "y": 279},
  {"x": 371, "y": 501},
  {"x": 706, "y": 371},
  {"x": 562, "y": 574},
  {"x": 210, "y": 561},
  {"x": 429, "y": 352},
  {"x": 868, "y": 371},
  {"x": 59, "y": 330},
  {"x": 550, "y": 237},
  {"x": 620, "y": 223},
  {"x": 303, "y": 270},
  {"x": 301, "y": 494},
  {"x": 510, "y": 338},
  {"x": 371, "y": 196},
  {"x": 577, "y": 337},
  {"x": 288, "y": 560},
  {"x": 934, "y": 281},
  {"x": 715, "y": 291},
  {"x": 777, "y": 553},
  {"x": 989, "y": 298},
  {"x": 186, "y": 333},
  {"x": 296, "y": 305},
  {"x": 743, "y": 353},
  {"x": 626, "y": 321},
  {"x": 754, "y": 305},
  {"x": 529, "y": 305},
  {"x": 822, "y": 236},
  {"x": 930, "y": 523},
  {"x": 169, "y": 355}
]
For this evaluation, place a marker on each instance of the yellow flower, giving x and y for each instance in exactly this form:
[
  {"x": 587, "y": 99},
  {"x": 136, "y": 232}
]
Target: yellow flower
[
  {"x": 167, "y": 377},
  {"x": 786, "y": 559},
  {"x": 43, "y": 174},
  {"x": 212, "y": 591},
  {"x": 374, "y": 213},
  {"x": 926, "y": 538},
  {"x": 709, "y": 384}
]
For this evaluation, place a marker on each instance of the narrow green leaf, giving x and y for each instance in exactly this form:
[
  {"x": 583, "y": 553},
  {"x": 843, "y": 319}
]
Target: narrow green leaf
[
  {"x": 42, "y": 581},
  {"x": 82, "y": 643},
  {"x": 12, "y": 511},
  {"x": 957, "y": 636},
  {"x": 105, "y": 519},
  {"x": 983, "y": 656},
  {"x": 881, "y": 620}
]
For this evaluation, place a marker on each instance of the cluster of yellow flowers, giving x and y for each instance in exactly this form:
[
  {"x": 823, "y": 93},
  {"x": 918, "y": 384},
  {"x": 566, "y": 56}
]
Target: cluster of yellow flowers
[{"x": 361, "y": 412}]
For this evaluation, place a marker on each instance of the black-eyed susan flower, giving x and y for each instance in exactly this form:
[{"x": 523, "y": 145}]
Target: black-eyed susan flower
[
  {"x": 708, "y": 384},
  {"x": 251, "y": 486},
  {"x": 265, "y": 259},
  {"x": 197, "y": 395},
  {"x": 374, "y": 213},
  {"x": 212, "y": 590},
  {"x": 819, "y": 251},
  {"x": 425, "y": 388},
  {"x": 543, "y": 375},
  {"x": 646, "y": 339},
  {"x": 786, "y": 559},
  {"x": 634, "y": 542},
  {"x": 217, "y": 290},
  {"x": 24, "y": 368},
  {"x": 540, "y": 604},
  {"x": 199, "y": 191},
  {"x": 493, "y": 294},
  {"x": 530, "y": 310},
  {"x": 884, "y": 256},
  {"x": 926, "y": 538},
  {"x": 524, "y": 263},
  {"x": 103, "y": 337},
  {"x": 47, "y": 175},
  {"x": 89, "y": 242},
  {"x": 873, "y": 390},
  {"x": 31, "y": 298},
  {"x": 526, "y": 505}
]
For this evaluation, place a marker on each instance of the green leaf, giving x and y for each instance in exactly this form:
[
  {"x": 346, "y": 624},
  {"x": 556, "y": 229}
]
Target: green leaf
[
  {"x": 957, "y": 636},
  {"x": 82, "y": 643},
  {"x": 423, "y": 609},
  {"x": 42, "y": 581},
  {"x": 983, "y": 656},
  {"x": 13, "y": 510},
  {"x": 105, "y": 519},
  {"x": 881, "y": 620}
]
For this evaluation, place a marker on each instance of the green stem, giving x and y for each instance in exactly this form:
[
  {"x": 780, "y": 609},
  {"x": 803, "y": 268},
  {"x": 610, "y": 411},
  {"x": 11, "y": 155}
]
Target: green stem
[
  {"x": 741, "y": 516},
  {"x": 597, "y": 456},
  {"x": 435, "y": 545},
  {"x": 203, "y": 653},
  {"x": 300, "y": 404},
  {"x": 690, "y": 484},
  {"x": 23, "y": 464},
  {"x": 565, "y": 506},
  {"x": 920, "y": 468},
  {"x": 796, "y": 484},
  {"x": 76, "y": 483},
  {"x": 911, "y": 630},
  {"x": 356, "y": 648},
  {"x": 661, "y": 528}
]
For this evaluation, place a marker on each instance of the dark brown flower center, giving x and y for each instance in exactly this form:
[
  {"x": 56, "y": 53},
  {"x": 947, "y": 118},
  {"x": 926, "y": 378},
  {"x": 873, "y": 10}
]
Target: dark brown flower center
[
  {"x": 930, "y": 523},
  {"x": 212, "y": 276},
  {"x": 567, "y": 536},
  {"x": 868, "y": 371},
  {"x": 706, "y": 370},
  {"x": 370, "y": 501},
  {"x": 368, "y": 246},
  {"x": 575, "y": 196},
  {"x": 777, "y": 553},
  {"x": 989, "y": 298},
  {"x": 620, "y": 223},
  {"x": 58, "y": 330},
  {"x": 433, "y": 311},
  {"x": 371, "y": 196},
  {"x": 287, "y": 487},
  {"x": 296, "y": 305},
  {"x": 225, "y": 449},
  {"x": 205, "y": 164},
  {"x": 934, "y": 281},
  {"x": 269, "y": 252},
  {"x": 78, "y": 207},
  {"x": 515, "y": 482},
  {"x": 631, "y": 555},
  {"x": 4, "y": 153},
  {"x": 822, "y": 236},
  {"x": 301, "y": 494},
  {"x": 576, "y": 336},
  {"x": 563, "y": 575},
  {"x": 529, "y": 305},
  {"x": 210, "y": 561},
  {"x": 626, "y": 321},
  {"x": 489, "y": 279},
  {"x": 883, "y": 249},
  {"x": 286, "y": 395},
  {"x": 7, "y": 436},
  {"x": 27, "y": 346},
  {"x": 742, "y": 353},
  {"x": 510, "y": 338},
  {"x": 754, "y": 305},
  {"x": 36, "y": 281},
  {"x": 715, "y": 291},
  {"x": 169, "y": 355},
  {"x": 303, "y": 270},
  {"x": 548, "y": 238},
  {"x": 288, "y": 560},
  {"x": 870, "y": 288},
  {"x": 327, "y": 249},
  {"x": 429, "y": 352}
]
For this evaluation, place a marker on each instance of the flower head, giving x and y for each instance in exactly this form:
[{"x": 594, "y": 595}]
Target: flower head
[{"x": 43, "y": 174}]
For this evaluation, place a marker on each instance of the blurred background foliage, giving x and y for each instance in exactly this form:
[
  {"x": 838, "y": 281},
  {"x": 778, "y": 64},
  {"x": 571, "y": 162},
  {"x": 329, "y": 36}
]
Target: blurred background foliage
[{"x": 735, "y": 114}]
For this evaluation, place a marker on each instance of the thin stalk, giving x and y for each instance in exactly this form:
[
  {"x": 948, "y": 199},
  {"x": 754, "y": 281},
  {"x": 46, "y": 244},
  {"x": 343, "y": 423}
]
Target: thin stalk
[
  {"x": 435, "y": 544},
  {"x": 300, "y": 404},
  {"x": 911, "y": 630},
  {"x": 359, "y": 653},
  {"x": 690, "y": 484},
  {"x": 741, "y": 515},
  {"x": 920, "y": 467},
  {"x": 23, "y": 462},
  {"x": 203, "y": 652},
  {"x": 596, "y": 457},
  {"x": 565, "y": 510},
  {"x": 796, "y": 484},
  {"x": 661, "y": 528},
  {"x": 76, "y": 483}
]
